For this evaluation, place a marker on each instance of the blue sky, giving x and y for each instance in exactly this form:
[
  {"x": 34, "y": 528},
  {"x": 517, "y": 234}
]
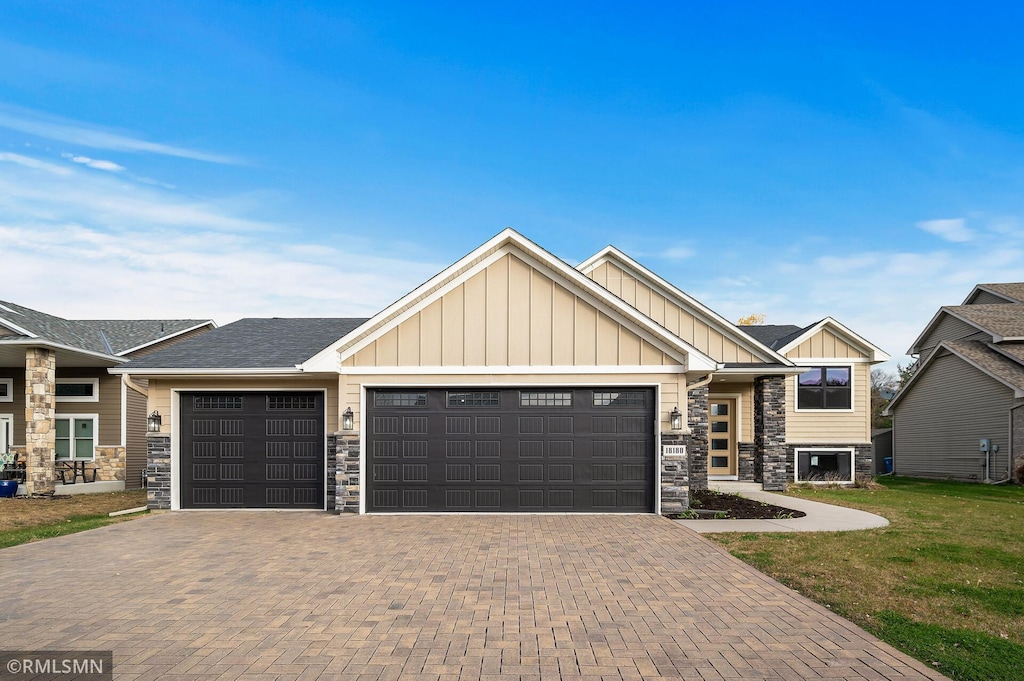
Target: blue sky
[{"x": 215, "y": 159}]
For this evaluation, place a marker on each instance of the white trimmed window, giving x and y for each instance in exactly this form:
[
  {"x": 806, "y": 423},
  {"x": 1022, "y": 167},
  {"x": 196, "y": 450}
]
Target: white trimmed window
[
  {"x": 76, "y": 437},
  {"x": 825, "y": 388},
  {"x": 824, "y": 465},
  {"x": 6, "y": 389},
  {"x": 78, "y": 390}
]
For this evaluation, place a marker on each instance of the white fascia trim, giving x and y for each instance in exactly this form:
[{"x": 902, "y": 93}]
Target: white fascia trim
[
  {"x": 877, "y": 353},
  {"x": 43, "y": 343},
  {"x": 804, "y": 362},
  {"x": 481, "y": 258},
  {"x": 768, "y": 371},
  {"x": 209, "y": 322},
  {"x": 143, "y": 373},
  {"x": 491, "y": 370},
  {"x": 670, "y": 291}
]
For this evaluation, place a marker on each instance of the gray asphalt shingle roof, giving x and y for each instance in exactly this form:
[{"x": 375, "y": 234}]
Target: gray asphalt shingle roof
[
  {"x": 774, "y": 336},
  {"x": 254, "y": 343},
  {"x": 108, "y": 336},
  {"x": 1012, "y": 290},
  {"x": 1006, "y": 320}
]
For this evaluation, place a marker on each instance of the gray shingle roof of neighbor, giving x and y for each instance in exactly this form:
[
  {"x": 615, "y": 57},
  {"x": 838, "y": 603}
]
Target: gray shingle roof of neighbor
[
  {"x": 1006, "y": 320},
  {"x": 991, "y": 361},
  {"x": 110, "y": 336},
  {"x": 1014, "y": 351},
  {"x": 253, "y": 343},
  {"x": 774, "y": 336},
  {"x": 1014, "y": 290}
]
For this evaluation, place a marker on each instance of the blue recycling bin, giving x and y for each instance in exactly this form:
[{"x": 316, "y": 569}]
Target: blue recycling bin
[
  {"x": 8, "y": 488},
  {"x": 888, "y": 464}
]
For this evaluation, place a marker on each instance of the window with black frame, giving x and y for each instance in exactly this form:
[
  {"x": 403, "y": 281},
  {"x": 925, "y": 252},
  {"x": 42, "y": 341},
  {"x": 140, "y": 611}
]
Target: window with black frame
[{"x": 825, "y": 388}]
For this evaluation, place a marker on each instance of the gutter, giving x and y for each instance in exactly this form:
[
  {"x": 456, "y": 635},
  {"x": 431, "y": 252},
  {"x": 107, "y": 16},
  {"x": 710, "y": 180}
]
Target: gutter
[{"x": 129, "y": 382}]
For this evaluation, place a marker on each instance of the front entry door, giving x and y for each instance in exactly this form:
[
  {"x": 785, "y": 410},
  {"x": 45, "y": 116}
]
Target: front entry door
[{"x": 721, "y": 437}]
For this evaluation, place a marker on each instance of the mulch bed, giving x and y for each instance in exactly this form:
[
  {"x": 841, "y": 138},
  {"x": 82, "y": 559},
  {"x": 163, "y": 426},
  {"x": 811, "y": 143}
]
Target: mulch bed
[{"x": 711, "y": 504}]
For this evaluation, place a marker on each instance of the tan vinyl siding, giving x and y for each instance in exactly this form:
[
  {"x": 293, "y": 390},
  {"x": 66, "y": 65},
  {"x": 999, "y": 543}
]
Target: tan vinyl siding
[
  {"x": 939, "y": 421},
  {"x": 136, "y": 439},
  {"x": 668, "y": 314},
  {"x": 160, "y": 392},
  {"x": 16, "y": 407},
  {"x": 670, "y": 386},
  {"x": 947, "y": 327},
  {"x": 509, "y": 314},
  {"x": 826, "y": 344},
  {"x": 108, "y": 407},
  {"x": 831, "y": 426},
  {"x": 169, "y": 342}
]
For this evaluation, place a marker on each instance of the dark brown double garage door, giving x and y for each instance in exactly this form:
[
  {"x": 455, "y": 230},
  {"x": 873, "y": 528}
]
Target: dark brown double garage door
[
  {"x": 528, "y": 449},
  {"x": 252, "y": 450}
]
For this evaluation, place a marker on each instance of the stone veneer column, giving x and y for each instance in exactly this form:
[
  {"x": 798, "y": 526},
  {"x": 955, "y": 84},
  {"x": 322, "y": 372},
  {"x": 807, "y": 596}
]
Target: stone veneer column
[
  {"x": 347, "y": 475},
  {"x": 40, "y": 407},
  {"x": 770, "y": 431},
  {"x": 697, "y": 449},
  {"x": 158, "y": 470},
  {"x": 675, "y": 479}
]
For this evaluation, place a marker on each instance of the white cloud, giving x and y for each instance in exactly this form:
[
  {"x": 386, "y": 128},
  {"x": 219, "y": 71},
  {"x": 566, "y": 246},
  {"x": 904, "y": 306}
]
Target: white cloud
[
  {"x": 116, "y": 249},
  {"x": 34, "y": 163},
  {"x": 73, "y": 132},
  {"x": 94, "y": 163},
  {"x": 954, "y": 230},
  {"x": 678, "y": 253}
]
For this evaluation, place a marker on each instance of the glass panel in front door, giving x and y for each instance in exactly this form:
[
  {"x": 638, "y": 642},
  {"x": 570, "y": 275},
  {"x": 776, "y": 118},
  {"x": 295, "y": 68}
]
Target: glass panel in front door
[{"x": 722, "y": 437}]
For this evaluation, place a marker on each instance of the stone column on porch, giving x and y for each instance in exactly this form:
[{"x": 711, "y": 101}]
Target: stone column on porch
[
  {"x": 697, "y": 449},
  {"x": 40, "y": 408},
  {"x": 347, "y": 473},
  {"x": 770, "y": 431}
]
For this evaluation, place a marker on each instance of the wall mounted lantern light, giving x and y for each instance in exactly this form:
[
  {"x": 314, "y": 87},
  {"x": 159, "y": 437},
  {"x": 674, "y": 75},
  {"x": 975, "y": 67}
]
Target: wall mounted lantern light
[
  {"x": 154, "y": 422},
  {"x": 675, "y": 419},
  {"x": 348, "y": 420}
]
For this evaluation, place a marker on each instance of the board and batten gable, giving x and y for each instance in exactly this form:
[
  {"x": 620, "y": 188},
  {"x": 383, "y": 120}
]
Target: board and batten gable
[
  {"x": 940, "y": 419},
  {"x": 509, "y": 314},
  {"x": 669, "y": 314},
  {"x": 830, "y": 426},
  {"x": 500, "y": 323}
]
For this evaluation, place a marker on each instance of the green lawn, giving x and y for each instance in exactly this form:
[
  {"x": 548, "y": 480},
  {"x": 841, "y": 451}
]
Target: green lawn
[{"x": 944, "y": 582}]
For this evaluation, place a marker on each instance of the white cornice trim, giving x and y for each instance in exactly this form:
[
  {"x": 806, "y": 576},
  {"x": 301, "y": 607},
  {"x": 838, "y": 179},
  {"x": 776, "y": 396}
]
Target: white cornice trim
[
  {"x": 511, "y": 369},
  {"x": 43, "y": 343}
]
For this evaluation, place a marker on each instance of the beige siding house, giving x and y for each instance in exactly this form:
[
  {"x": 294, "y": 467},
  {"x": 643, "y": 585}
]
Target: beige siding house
[
  {"x": 63, "y": 417},
  {"x": 511, "y": 381},
  {"x": 961, "y": 415}
]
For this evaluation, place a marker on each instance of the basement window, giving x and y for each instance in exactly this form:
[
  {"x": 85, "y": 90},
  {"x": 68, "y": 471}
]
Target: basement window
[{"x": 824, "y": 465}]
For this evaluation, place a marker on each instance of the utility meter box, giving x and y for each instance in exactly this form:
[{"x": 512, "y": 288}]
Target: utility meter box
[{"x": 985, "y": 445}]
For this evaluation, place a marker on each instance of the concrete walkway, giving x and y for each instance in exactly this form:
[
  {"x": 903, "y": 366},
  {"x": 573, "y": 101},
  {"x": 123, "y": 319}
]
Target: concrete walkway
[
  {"x": 820, "y": 517},
  {"x": 279, "y": 596}
]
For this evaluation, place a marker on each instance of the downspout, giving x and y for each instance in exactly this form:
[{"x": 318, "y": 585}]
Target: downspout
[
  {"x": 127, "y": 380},
  {"x": 701, "y": 383}
]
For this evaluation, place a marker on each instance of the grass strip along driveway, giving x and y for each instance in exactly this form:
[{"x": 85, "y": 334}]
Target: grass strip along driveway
[
  {"x": 943, "y": 583},
  {"x": 25, "y": 519}
]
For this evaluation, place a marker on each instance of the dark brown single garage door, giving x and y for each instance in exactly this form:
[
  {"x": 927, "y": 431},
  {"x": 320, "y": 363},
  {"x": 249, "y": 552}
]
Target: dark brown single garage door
[
  {"x": 529, "y": 449},
  {"x": 252, "y": 450}
]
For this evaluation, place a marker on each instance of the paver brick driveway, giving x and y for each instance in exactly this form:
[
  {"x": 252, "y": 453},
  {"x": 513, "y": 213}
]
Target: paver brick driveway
[{"x": 275, "y": 595}]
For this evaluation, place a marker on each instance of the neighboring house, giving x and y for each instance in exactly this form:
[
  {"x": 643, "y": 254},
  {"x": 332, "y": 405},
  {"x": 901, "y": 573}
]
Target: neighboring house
[
  {"x": 510, "y": 381},
  {"x": 967, "y": 391},
  {"x": 73, "y": 410}
]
